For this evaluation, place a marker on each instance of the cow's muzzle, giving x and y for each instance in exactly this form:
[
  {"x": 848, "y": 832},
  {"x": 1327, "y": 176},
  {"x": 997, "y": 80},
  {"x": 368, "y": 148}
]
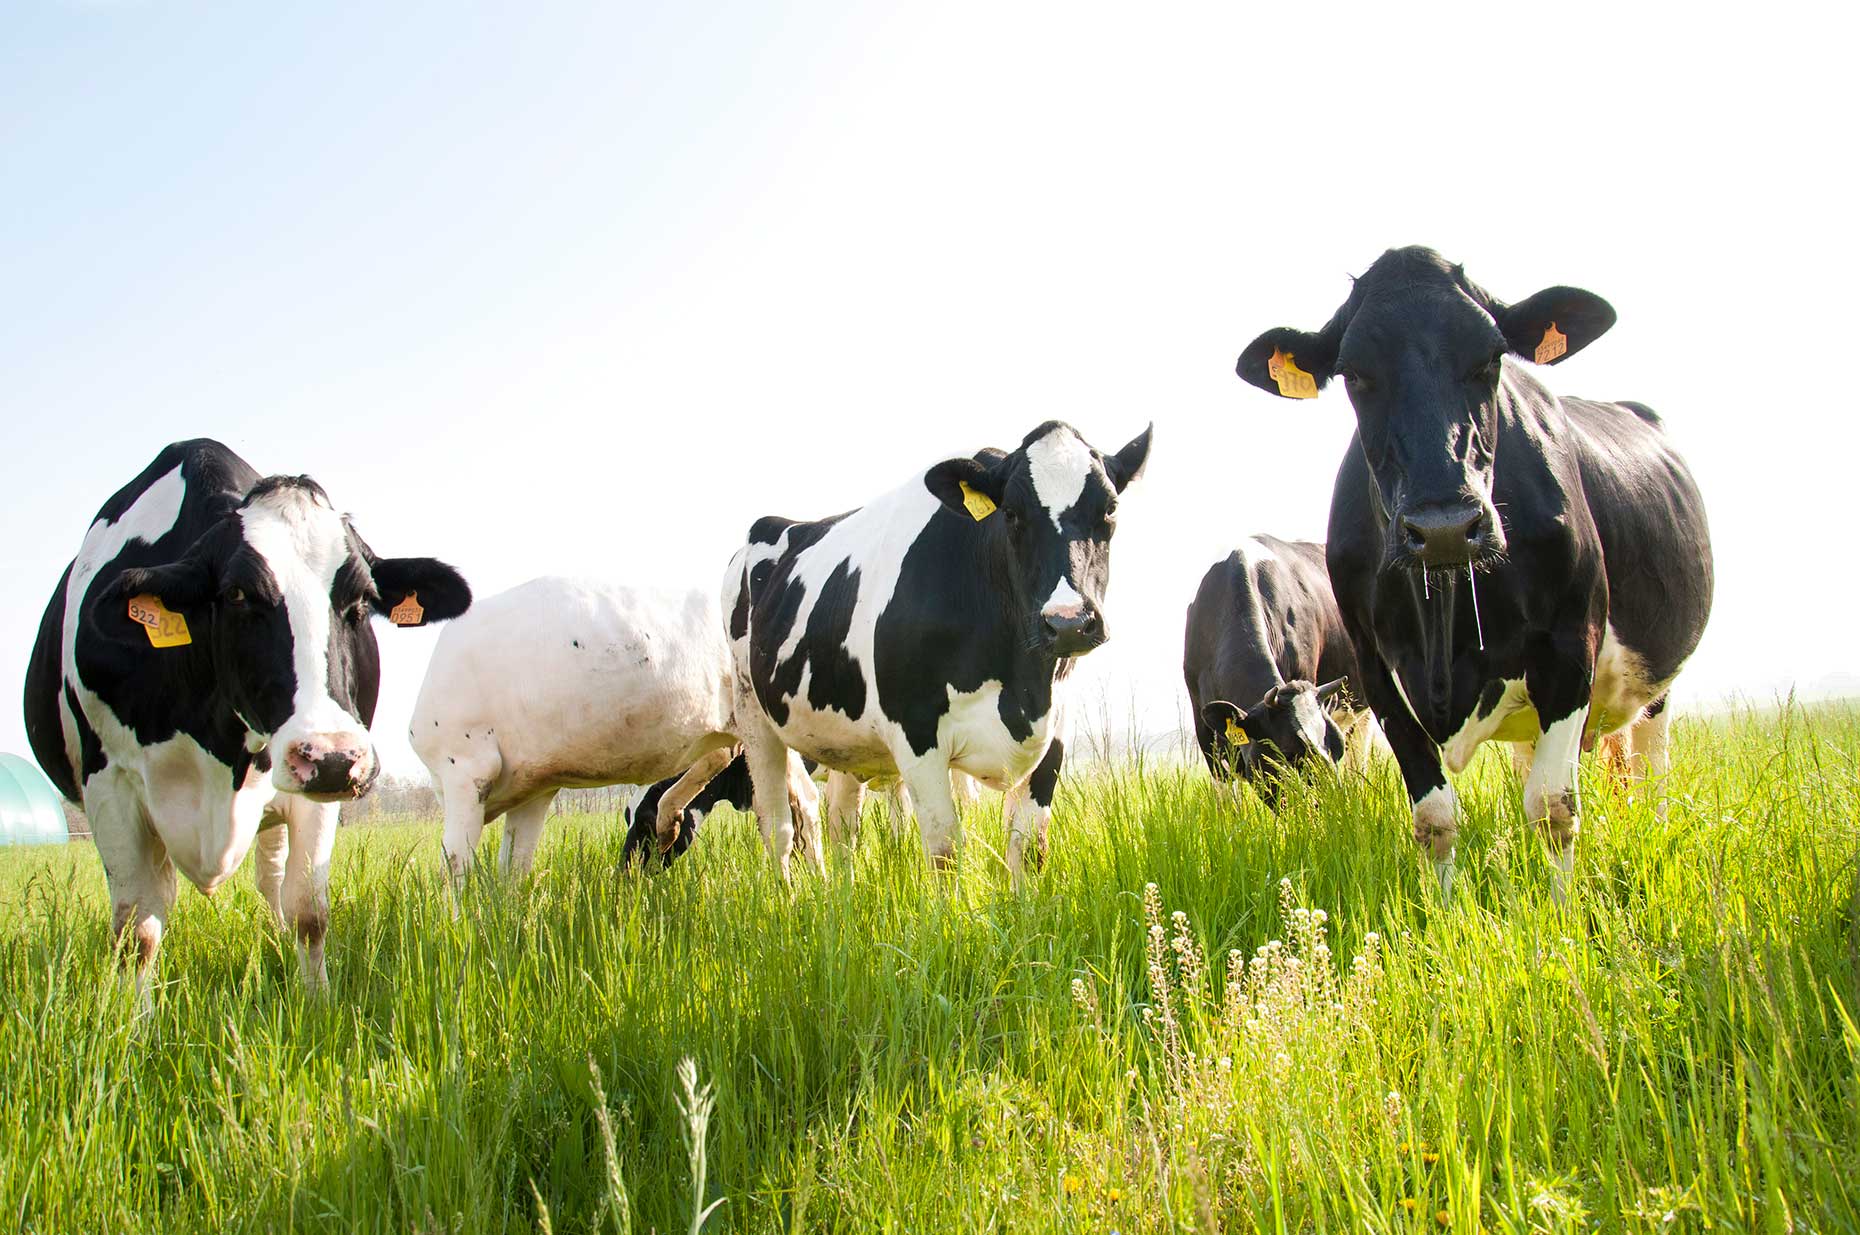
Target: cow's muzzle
[
  {"x": 1073, "y": 631},
  {"x": 1446, "y": 535},
  {"x": 331, "y": 767}
]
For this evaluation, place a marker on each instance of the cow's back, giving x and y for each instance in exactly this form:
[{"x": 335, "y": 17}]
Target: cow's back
[
  {"x": 576, "y": 682},
  {"x": 1656, "y": 543}
]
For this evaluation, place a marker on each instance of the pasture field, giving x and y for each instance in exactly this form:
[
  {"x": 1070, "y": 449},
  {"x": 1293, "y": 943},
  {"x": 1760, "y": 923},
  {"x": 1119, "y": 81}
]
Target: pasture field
[{"x": 903, "y": 1051}]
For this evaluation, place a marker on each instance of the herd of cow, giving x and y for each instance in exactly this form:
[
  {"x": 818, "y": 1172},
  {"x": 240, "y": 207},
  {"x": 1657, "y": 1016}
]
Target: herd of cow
[{"x": 1502, "y": 563}]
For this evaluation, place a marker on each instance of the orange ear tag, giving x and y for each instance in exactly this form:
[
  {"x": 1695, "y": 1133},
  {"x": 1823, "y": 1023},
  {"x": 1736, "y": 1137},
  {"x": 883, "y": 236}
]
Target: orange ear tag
[
  {"x": 1294, "y": 382},
  {"x": 1555, "y": 344},
  {"x": 979, "y": 505},
  {"x": 164, "y": 627},
  {"x": 1235, "y": 733},
  {"x": 408, "y": 612}
]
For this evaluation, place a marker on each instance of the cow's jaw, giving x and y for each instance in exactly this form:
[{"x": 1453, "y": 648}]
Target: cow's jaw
[{"x": 322, "y": 750}]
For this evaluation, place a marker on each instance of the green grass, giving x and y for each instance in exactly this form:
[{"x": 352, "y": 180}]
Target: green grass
[{"x": 902, "y": 1051}]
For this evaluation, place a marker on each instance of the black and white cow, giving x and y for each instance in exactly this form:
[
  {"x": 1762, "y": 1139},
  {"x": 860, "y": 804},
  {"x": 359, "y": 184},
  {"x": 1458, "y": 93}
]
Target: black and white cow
[
  {"x": 923, "y": 632},
  {"x": 1510, "y": 564},
  {"x": 205, "y": 674},
  {"x": 1263, "y": 630},
  {"x": 729, "y": 787}
]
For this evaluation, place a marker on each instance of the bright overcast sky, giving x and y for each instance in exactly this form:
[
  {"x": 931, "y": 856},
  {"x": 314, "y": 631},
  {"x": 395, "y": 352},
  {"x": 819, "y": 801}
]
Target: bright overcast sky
[{"x": 540, "y": 290}]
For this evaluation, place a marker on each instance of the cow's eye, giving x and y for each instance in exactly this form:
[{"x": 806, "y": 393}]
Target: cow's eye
[
  {"x": 1487, "y": 372},
  {"x": 235, "y": 597},
  {"x": 1353, "y": 379},
  {"x": 1011, "y": 515}
]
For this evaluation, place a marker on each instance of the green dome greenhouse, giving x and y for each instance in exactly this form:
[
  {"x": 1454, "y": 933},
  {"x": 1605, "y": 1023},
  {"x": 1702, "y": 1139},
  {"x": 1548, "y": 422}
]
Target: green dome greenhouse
[{"x": 31, "y": 812}]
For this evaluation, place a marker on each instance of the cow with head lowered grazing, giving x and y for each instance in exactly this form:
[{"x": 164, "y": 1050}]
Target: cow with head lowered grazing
[
  {"x": 1268, "y": 666},
  {"x": 925, "y": 630},
  {"x": 204, "y": 677},
  {"x": 1510, "y": 564}
]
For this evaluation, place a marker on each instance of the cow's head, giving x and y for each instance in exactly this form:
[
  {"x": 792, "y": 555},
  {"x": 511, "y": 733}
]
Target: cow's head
[
  {"x": 1287, "y": 727},
  {"x": 1421, "y": 350},
  {"x": 279, "y": 591},
  {"x": 1053, "y": 505}
]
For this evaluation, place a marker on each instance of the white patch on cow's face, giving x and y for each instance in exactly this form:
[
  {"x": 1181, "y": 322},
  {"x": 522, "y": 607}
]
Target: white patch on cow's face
[
  {"x": 1059, "y": 464},
  {"x": 1065, "y": 602},
  {"x": 304, "y": 543},
  {"x": 1310, "y": 718}
]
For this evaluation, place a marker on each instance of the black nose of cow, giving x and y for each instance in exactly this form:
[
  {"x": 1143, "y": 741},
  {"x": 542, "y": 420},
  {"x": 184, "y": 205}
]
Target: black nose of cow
[
  {"x": 1075, "y": 633},
  {"x": 331, "y": 768},
  {"x": 1444, "y": 535}
]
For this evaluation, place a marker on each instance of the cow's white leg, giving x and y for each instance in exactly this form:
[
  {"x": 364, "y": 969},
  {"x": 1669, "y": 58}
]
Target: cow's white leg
[
  {"x": 464, "y": 827},
  {"x": 1018, "y": 809},
  {"x": 928, "y": 780},
  {"x": 269, "y": 850},
  {"x": 136, "y": 866},
  {"x": 963, "y": 789},
  {"x": 1523, "y": 754},
  {"x": 1550, "y": 794},
  {"x": 1648, "y": 759},
  {"x": 306, "y": 881},
  {"x": 898, "y": 806},
  {"x": 1437, "y": 829},
  {"x": 845, "y": 799},
  {"x": 768, "y": 774},
  {"x": 523, "y": 828},
  {"x": 676, "y": 798},
  {"x": 805, "y": 806}
]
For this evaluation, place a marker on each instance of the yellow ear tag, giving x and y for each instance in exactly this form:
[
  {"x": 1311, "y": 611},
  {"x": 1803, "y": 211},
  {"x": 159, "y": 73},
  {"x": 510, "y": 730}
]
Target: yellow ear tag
[
  {"x": 165, "y": 628},
  {"x": 1555, "y": 344},
  {"x": 1294, "y": 382},
  {"x": 409, "y": 612},
  {"x": 979, "y": 505},
  {"x": 1235, "y": 733}
]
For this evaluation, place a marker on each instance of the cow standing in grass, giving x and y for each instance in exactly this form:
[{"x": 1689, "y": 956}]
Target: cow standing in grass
[
  {"x": 565, "y": 683},
  {"x": 924, "y": 631},
  {"x": 1509, "y": 564},
  {"x": 1263, "y": 631},
  {"x": 204, "y": 677}
]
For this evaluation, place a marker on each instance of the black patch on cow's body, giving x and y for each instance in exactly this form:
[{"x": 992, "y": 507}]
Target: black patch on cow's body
[
  {"x": 834, "y": 680},
  {"x": 946, "y": 626},
  {"x": 1043, "y": 784},
  {"x": 1255, "y": 626},
  {"x": 1491, "y": 696},
  {"x": 45, "y": 730},
  {"x": 91, "y": 759}
]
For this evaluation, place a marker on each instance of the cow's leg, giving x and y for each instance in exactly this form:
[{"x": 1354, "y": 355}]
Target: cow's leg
[
  {"x": 672, "y": 805},
  {"x": 523, "y": 828},
  {"x": 1648, "y": 760},
  {"x": 464, "y": 827},
  {"x": 927, "y": 777},
  {"x": 804, "y": 805},
  {"x": 306, "y": 881},
  {"x": 768, "y": 774},
  {"x": 1522, "y": 755},
  {"x": 1356, "y": 740},
  {"x": 269, "y": 850},
  {"x": 1430, "y": 796},
  {"x": 1559, "y": 676},
  {"x": 136, "y": 866},
  {"x": 1029, "y": 810},
  {"x": 897, "y": 806},
  {"x": 845, "y": 799},
  {"x": 963, "y": 789}
]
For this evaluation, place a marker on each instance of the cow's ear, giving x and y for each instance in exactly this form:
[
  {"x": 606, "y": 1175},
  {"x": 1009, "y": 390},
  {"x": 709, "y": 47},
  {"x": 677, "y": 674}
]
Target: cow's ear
[
  {"x": 1293, "y": 364},
  {"x": 184, "y": 587},
  {"x": 1128, "y": 464},
  {"x": 1555, "y": 324},
  {"x": 957, "y": 483},
  {"x": 1217, "y": 714},
  {"x": 416, "y": 591}
]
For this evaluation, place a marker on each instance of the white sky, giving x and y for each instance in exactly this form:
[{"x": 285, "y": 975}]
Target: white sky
[{"x": 538, "y": 289}]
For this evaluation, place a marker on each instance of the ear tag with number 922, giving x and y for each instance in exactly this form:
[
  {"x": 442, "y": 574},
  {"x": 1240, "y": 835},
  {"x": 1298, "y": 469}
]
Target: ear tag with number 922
[
  {"x": 979, "y": 505},
  {"x": 164, "y": 627}
]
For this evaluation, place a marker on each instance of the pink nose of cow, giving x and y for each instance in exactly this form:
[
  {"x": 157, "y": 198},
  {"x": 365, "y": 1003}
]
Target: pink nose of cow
[{"x": 331, "y": 765}]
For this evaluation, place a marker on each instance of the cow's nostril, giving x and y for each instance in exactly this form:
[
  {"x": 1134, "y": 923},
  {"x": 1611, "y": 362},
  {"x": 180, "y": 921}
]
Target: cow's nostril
[{"x": 1417, "y": 539}]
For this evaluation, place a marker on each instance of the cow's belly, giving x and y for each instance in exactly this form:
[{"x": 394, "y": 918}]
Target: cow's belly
[
  {"x": 980, "y": 744},
  {"x": 205, "y": 825},
  {"x": 862, "y": 747},
  {"x": 1622, "y": 686}
]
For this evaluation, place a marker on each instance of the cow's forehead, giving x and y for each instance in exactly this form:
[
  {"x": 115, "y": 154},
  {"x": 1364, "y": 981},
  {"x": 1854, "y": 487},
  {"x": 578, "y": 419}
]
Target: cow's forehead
[
  {"x": 1060, "y": 465},
  {"x": 298, "y": 534}
]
